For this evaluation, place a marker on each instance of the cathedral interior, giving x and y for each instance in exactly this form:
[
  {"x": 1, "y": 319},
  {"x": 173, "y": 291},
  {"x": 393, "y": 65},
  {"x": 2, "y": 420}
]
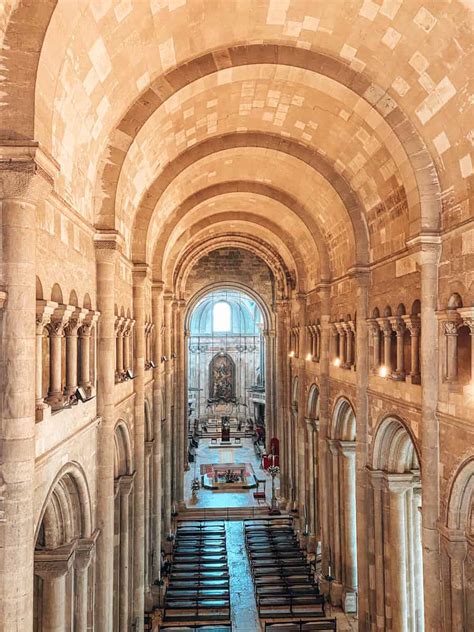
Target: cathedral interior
[{"x": 236, "y": 315}]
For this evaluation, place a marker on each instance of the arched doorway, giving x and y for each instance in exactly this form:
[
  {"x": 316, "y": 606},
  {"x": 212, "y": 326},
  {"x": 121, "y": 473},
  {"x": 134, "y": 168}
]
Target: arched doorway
[
  {"x": 312, "y": 468},
  {"x": 458, "y": 552},
  {"x": 123, "y": 523},
  {"x": 64, "y": 554},
  {"x": 396, "y": 504},
  {"x": 343, "y": 530},
  {"x": 228, "y": 386}
]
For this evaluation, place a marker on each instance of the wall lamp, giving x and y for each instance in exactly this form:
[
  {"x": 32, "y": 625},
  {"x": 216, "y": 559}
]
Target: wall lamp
[{"x": 164, "y": 358}]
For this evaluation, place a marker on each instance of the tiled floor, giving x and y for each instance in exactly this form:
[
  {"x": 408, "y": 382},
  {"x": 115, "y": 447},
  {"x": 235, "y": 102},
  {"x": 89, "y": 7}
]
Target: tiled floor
[{"x": 217, "y": 499}]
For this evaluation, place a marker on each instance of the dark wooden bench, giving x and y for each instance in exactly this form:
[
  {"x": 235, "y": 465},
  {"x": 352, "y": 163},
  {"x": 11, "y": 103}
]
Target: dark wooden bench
[{"x": 302, "y": 626}]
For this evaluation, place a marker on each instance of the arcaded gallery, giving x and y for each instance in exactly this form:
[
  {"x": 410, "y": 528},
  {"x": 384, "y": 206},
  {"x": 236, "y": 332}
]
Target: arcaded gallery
[{"x": 237, "y": 315}]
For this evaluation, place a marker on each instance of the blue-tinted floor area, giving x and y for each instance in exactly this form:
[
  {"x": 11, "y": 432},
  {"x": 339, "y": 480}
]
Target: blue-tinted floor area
[{"x": 242, "y": 598}]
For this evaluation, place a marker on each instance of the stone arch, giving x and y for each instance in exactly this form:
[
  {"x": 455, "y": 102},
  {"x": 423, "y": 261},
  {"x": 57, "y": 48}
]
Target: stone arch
[
  {"x": 150, "y": 200},
  {"x": 57, "y": 294},
  {"x": 313, "y": 402},
  {"x": 343, "y": 424},
  {"x": 457, "y": 551},
  {"x": 67, "y": 506},
  {"x": 258, "y": 188},
  {"x": 425, "y": 172},
  {"x": 214, "y": 228},
  {"x": 64, "y": 546},
  {"x": 123, "y": 461},
  {"x": 39, "y": 290},
  {"x": 343, "y": 524},
  {"x": 394, "y": 448},
  {"x": 397, "y": 500},
  {"x": 460, "y": 509},
  {"x": 191, "y": 304},
  {"x": 283, "y": 277}
]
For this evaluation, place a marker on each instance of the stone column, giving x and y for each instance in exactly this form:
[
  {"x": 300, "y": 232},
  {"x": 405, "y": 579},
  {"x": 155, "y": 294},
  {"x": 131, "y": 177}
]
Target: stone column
[
  {"x": 59, "y": 320},
  {"x": 375, "y": 334},
  {"x": 451, "y": 334},
  {"x": 397, "y": 485},
  {"x": 467, "y": 315},
  {"x": 324, "y": 421},
  {"x": 53, "y": 568},
  {"x": 418, "y": 558},
  {"x": 269, "y": 336},
  {"x": 84, "y": 334},
  {"x": 348, "y": 458},
  {"x": 107, "y": 251},
  {"x": 335, "y": 537},
  {"x": 362, "y": 279},
  {"x": 181, "y": 406},
  {"x": 342, "y": 344},
  {"x": 85, "y": 551},
  {"x": 119, "y": 322},
  {"x": 429, "y": 432},
  {"x": 158, "y": 415},
  {"x": 398, "y": 326},
  {"x": 127, "y": 334},
  {"x": 311, "y": 485},
  {"x": 167, "y": 473},
  {"x": 386, "y": 328},
  {"x": 348, "y": 333},
  {"x": 414, "y": 326},
  {"x": 148, "y": 510},
  {"x": 44, "y": 311},
  {"x": 26, "y": 176},
  {"x": 71, "y": 330},
  {"x": 140, "y": 272},
  {"x": 125, "y": 484},
  {"x": 282, "y": 390},
  {"x": 379, "y": 535}
]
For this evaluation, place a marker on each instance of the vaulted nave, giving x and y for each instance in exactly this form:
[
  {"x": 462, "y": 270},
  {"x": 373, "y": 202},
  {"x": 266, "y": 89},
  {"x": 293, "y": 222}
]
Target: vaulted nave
[{"x": 236, "y": 315}]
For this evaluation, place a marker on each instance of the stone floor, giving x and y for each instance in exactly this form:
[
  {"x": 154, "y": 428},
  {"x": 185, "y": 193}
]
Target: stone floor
[
  {"x": 243, "y": 606},
  {"x": 221, "y": 499}
]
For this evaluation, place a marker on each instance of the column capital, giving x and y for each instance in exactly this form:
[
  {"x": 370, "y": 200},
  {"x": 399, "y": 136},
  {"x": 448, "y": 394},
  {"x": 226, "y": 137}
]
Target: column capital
[
  {"x": 59, "y": 319},
  {"x": 90, "y": 319},
  {"x": 312, "y": 423},
  {"x": 140, "y": 273},
  {"x": 75, "y": 321},
  {"x": 27, "y": 171},
  {"x": 385, "y": 325},
  {"x": 157, "y": 288},
  {"x": 412, "y": 323},
  {"x": 85, "y": 551},
  {"x": 54, "y": 563},
  {"x": 347, "y": 448},
  {"x": 398, "y": 325},
  {"x": 398, "y": 483},
  {"x": 149, "y": 447},
  {"x": 467, "y": 315},
  {"x": 124, "y": 484},
  {"x": 333, "y": 446},
  {"x": 107, "y": 244},
  {"x": 376, "y": 478},
  {"x": 373, "y": 326},
  {"x": 119, "y": 325},
  {"x": 44, "y": 311}
]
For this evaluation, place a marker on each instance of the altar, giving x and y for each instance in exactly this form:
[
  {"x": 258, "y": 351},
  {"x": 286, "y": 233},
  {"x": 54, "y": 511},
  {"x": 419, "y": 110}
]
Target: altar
[{"x": 227, "y": 476}]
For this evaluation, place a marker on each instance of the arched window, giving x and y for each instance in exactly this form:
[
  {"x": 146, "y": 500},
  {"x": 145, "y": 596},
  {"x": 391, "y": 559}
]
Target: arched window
[{"x": 221, "y": 318}]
